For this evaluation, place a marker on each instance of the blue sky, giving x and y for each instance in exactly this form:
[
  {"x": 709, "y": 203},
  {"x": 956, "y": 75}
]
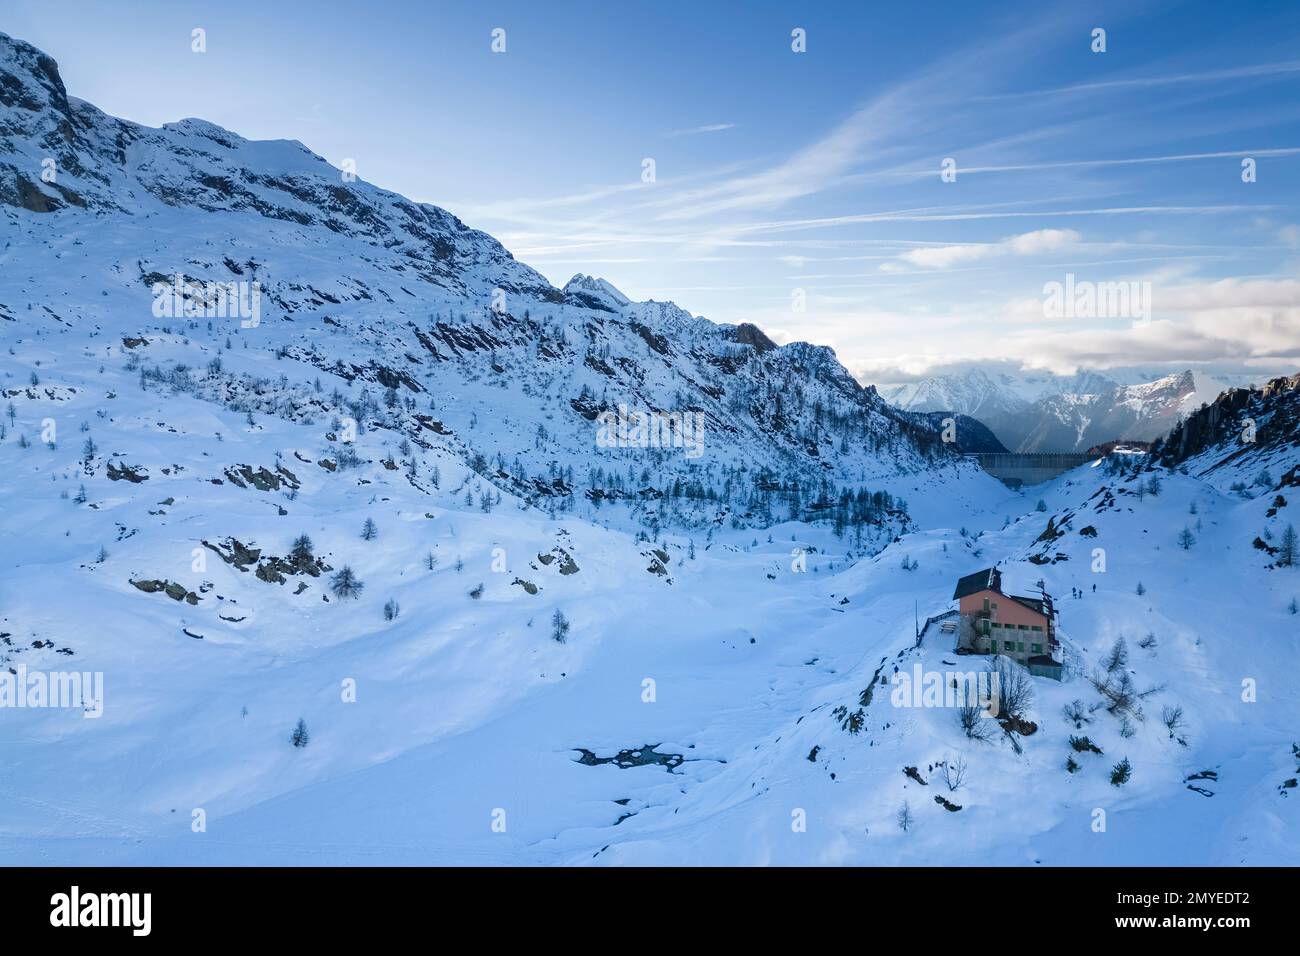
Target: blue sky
[{"x": 800, "y": 191}]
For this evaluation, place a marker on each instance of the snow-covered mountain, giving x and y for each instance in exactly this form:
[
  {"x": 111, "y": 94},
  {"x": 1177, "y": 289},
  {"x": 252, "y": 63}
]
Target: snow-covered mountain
[
  {"x": 988, "y": 396},
  {"x": 370, "y": 289},
  {"x": 1078, "y": 420},
  {"x": 595, "y": 294},
  {"x": 353, "y": 578},
  {"x": 1039, "y": 411}
]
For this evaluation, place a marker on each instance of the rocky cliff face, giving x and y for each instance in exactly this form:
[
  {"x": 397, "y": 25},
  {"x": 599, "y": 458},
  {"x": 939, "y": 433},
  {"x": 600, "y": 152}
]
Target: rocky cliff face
[{"x": 1241, "y": 424}]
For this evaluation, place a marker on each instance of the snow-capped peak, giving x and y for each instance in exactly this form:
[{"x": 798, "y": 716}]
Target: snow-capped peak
[{"x": 595, "y": 293}]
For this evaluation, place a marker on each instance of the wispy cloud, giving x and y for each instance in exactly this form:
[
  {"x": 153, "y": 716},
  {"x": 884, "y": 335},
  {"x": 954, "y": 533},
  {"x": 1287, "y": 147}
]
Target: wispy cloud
[
  {"x": 893, "y": 260},
  {"x": 1130, "y": 161},
  {"x": 1254, "y": 71},
  {"x": 956, "y": 216},
  {"x": 708, "y": 128}
]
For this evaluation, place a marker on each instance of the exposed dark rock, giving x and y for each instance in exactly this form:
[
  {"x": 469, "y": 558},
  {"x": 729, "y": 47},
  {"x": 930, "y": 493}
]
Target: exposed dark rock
[
  {"x": 132, "y": 473},
  {"x": 640, "y": 757},
  {"x": 268, "y": 568},
  {"x": 175, "y": 591},
  {"x": 262, "y": 479},
  {"x": 747, "y": 334}
]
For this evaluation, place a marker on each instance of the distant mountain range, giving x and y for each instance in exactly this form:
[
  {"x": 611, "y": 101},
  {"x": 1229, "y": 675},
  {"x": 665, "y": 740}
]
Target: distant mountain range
[{"x": 1039, "y": 411}]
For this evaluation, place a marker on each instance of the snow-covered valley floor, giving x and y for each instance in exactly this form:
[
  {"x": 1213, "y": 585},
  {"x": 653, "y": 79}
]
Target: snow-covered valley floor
[{"x": 463, "y": 742}]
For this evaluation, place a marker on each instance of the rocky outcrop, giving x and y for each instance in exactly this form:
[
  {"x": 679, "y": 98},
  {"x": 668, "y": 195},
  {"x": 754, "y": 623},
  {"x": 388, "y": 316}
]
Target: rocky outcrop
[
  {"x": 1239, "y": 421},
  {"x": 122, "y": 472},
  {"x": 262, "y": 479},
  {"x": 268, "y": 568},
  {"x": 175, "y": 591}
]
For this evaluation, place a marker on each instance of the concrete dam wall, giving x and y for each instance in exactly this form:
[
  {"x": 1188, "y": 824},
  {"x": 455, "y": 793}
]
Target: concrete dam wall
[{"x": 1017, "y": 470}]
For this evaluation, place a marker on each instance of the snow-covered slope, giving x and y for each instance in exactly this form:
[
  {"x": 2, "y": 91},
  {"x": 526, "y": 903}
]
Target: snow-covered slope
[{"x": 463, "y": 715}]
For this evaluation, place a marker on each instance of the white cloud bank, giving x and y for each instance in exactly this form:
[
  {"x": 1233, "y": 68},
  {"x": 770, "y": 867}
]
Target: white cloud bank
[{"x": 1024, "y": 244}]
